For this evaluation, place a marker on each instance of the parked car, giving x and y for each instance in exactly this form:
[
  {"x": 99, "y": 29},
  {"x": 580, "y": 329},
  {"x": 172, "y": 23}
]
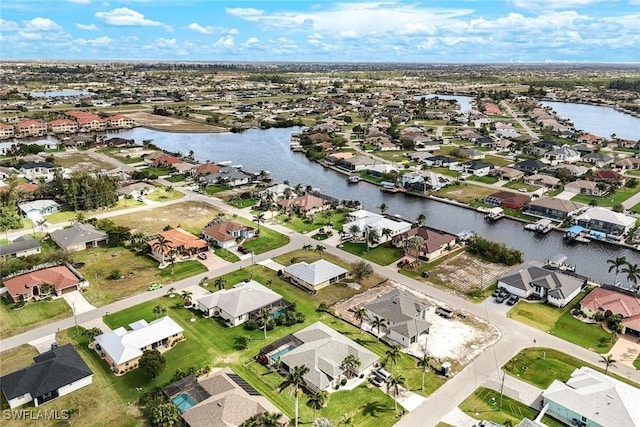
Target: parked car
[
  {"x": 202, "y": 256},
  {"x": 522, "y": 190},
  {"x": 513, "y": 299},
  {"x": 154, "y": 287},
  {"x": 447, "y": 313},
  {"x": 496, "y": 293},
  {"x": 402, "y": 263},
  {"x": 425, "y": 274},
  {"x": 499, "y": 299},
  {"x": 243, "y": 250},
  {"x": 382, "y": 374},
  {"x": 376, "y": 381}
]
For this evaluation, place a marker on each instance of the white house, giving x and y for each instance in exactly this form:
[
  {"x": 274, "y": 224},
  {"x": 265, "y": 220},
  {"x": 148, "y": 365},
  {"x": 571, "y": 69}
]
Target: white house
[
  {"x": 603, "y": 220},
  {"x": 561, "y": 155},
  {"x": 238, "y": 304},
  {"x": 56, "y": 373},
  {"x": 367, "y": 222},
  {"x": 314, "y": 276}
]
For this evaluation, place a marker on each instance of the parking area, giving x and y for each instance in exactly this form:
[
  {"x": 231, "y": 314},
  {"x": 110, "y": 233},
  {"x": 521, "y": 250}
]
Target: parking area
[{"x": 494, "y": 306}]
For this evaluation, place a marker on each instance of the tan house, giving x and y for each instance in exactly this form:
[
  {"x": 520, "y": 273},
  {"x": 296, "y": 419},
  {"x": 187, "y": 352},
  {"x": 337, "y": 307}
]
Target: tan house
[
  {"x": 6, "y": 131},
  {"x": 30, "y": 128},
  {"x": 123, "y": 348},
  {"x": 120, "y": 122},
  {"x": 307, "y": 204},
  {"x": 435, "y": 242},
  {"x": 583, "y": 186},
  {"x": 541, "y": 180},
  {"x": 63, "y": 126},
  {"x": 178, "y": 240},
  {"x": 31, "y": 285},
  {"x": 314, "y": 276}
]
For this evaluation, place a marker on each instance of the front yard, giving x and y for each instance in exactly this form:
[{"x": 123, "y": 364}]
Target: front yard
[
  {"x": 608, "y": 201},
  {"x": 69, "y": 215},
  {"x": 13, "y": 322},
  {"x": 562, "y": 324},
  {"x": 464, "y": 193}
]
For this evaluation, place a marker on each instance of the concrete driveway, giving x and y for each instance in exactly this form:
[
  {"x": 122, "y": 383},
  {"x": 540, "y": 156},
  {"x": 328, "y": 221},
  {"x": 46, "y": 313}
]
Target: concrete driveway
[
  {"x": 625, "y": 350},
  {"x": 77, "y": 302}
]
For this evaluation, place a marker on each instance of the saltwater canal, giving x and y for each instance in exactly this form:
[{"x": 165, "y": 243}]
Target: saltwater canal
[{"x": 269, "y": 150}]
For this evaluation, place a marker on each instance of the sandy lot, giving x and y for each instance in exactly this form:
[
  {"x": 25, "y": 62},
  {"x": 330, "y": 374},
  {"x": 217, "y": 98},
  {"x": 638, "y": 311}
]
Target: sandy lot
[
  {"x": 78, "y": 161},
  {"x": 191, "y": 216},
  {"x": 465, "y": 273},
  {"x": 172, "y": 123}
]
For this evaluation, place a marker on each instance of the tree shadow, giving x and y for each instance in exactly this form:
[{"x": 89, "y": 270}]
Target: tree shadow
[
  {"x": 371, "y": 409},
  {"x": 241, "y": 343}
]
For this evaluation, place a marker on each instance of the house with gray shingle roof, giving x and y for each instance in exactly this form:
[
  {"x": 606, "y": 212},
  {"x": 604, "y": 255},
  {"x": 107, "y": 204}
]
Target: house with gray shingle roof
[
  {"x": 79, "y": 237},
  {"x": 239, "y": 304},
  {"x": 314, "y": 276},
  {"x": 21, "y": 246},
  {"x": 533, "y": 280},
  {"x": 405, "y": 314}
]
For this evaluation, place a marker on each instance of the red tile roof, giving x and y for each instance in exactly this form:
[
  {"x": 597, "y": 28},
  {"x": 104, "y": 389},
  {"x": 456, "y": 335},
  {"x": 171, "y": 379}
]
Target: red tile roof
[
  {"x": 433, "y": 239},
  {"x": 206, "y": 169},
  {"x": 5, "y": 126},
  {"x": 61, "y": 277},
  {"x": 178, "y": 238},
  {"x": 306, "y": 202},
  {"x": 221, "y": 231},
  {"x": 28, "y": 123},
  {"x": 616, "y": 302},
  {"x": 61, "y": 122},
  {"x": 166, "y": 160},
  {"x": 118, "y": 117}
]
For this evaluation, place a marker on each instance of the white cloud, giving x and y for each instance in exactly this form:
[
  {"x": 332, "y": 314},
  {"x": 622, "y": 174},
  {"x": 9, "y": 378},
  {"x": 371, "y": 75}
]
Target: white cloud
[
  {"x": 87, "y": 27},
  {"x": 79, "y": 1},
  {"x": 556, "y": 4},
  {"x": 251, "y": 42},
  {"x": 200, "y": 29},
  {"x": 349, "y": 34},
  {"x": 7, "y": 25},
  {"x": 125, "y": 17},
  {"x": 41, "y": 24},
  {"x": 225, "y": 42},
  {"x": 97, "y": 42},
  {"x": 244, "y": 12}
]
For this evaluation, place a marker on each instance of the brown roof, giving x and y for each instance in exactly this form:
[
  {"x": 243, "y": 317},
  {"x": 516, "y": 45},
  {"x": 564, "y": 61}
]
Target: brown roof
[
  {"x": 165, "y": 159},
  {"x": 178, "y": 238},
  {"x": 206, "y": 169},
  {"x": 609, "y": 299},
  {"x": 221, "y": 231},
  {"x": 306, "y": 202},
  {"x": 606, "y": 174},
  {"x": 61, "y": 277},
  {"x": 433, "y": 239},
  {"x": 512, "y": 198}
]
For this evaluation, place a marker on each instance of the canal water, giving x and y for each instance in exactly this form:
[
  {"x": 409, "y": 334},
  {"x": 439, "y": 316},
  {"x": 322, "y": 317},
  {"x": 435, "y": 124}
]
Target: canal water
[
  {"x": 269, "y": 150},
  {"x": 601, "y": 121}
]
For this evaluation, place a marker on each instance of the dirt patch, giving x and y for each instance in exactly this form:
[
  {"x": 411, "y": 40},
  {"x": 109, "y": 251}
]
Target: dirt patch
[
  {"x": 77, "y": 161},
  {"x": 172, "y": 123},
  {"x": 465, "y": 273},
  {"x": 191, "y": 216}
]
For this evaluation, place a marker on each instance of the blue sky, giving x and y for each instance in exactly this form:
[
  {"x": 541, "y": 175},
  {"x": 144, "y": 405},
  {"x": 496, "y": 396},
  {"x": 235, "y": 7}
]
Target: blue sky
[{"x": 346, "y": 31}]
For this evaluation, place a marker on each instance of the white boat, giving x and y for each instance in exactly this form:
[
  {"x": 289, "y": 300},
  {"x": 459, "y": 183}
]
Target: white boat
[{"x": 494, "y": 214}]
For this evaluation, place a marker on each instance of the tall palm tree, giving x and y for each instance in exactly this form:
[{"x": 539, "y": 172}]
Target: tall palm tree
[
  {"x": 420, "y": 220},
  {"x": 392, "y": 355},
  {"x": 387, "y": 232},
  {"x": 320, "y": 250},
  {"x": 350, "y": 364},
  {"x": 354, "y": 230},
  {"x": 41, "y": 223},
  {"x": 264, "y": 315},
  {"x": 265, "y": 419},
  {"x": 615, "y": 264},
  {"x": 288, "y": 193},
  {"x": 159, "y": 310},
  {"x": 173, "y": 256},
  {"x": 186, "y": 296},
  {"x": 171, "y": 291},
  {"x": 608, "y": 360},
  {"x": 416, "y": 242},
  {"x": 632, "y": 271},
  {"x": 317, "y": 401},
  {"x": 360, "y": 314},
  {"x": 258, "y": 219},
  {"x": 220, "y": 283},
  {"x": 383, "y": 208},
  {"x": 372, "y": 236},
  {"x": 424, "y": 365},
  {"x": 161, "y": 244},
  {"x": 378, "y": 322},
  {"x": 92, "y": 332},
  {"x": 295, "y": 380},
  {"x": 297, "y": 189},
  {"x": 393, "y": 387}
]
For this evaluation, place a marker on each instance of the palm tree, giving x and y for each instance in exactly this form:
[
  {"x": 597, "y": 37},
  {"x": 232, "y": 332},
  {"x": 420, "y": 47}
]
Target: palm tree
[
  {"x": 92, "y": 332},
  {"x": 360, "y": 314},
  {"x": 160, "y": 245},
  {"x": 186, "y": 296},
  {"x": 416, "y": 242},
  {"x": 372, "y": 236},
  {"x": 424, "y": 364},
  {"x": 615, "y": 265},
  {"x": 173, "y": 256},
  {"x": 387, "y": 232},
  {"x": 80, "y": 217},
  {"x": 320, "y": 250},
  {"x": 317, "y": 401},
  {"x": 393, "y": 386},
  {"x": 378, "y": 322},
  {"x": 258, "y": 219},
  {"x": 220, "y": 283},
  {"x": 295, "y": 381},
  {"x": 608, "y": 360},
  {"x": 350, "y": 364},
  {"x": 264, "y": 315},
  {"x": 420, "y": 220},
  {"x": 383, "y": 208},
  {"x": 297, "y": 188},
  {"x": 392, "y": 355},
  {"x": 354, "y": 230},
  {"x": 159, "y": 310},
  {"x": 41, "y": 223},
  {"x": 288, "y": 192},
  {"x": 265, "y": 419},
  {"x": 171, "y": 291},
  {"x": 632, "y": 271}
]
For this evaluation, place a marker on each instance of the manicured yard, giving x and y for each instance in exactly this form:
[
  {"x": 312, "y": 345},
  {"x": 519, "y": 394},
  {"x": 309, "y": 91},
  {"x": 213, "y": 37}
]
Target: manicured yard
[
  {"x": 540, "y": 366},
  {"x": 380, "y": 254},
  {"x": 213, "y": 189},
  {"x": 562, "y": 324},
  {"x": 498, "y": 161},
  {"x": 267, "y": 240},
  {"x": 464, "y": 193},
  {"x": 157, "y": 172},
  {"x": 620, "y": 196},
  {"x": 120, "y": 154},
  {"x": 518, "y": 184},
  {"x": 484, "y": 404},
  {"x": 16, "y": 358},
  {"x": 484, "y": 179},
  {"x": 162, "y": 195},
  {"x": 226, "y": 254},
  {"x": 13, "y": 322},
  {"x": 176, "y": 178},
  {"x": 69, "y": 215}
]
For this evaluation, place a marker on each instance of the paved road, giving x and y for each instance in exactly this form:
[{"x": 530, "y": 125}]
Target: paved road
[
  {"x": 534, "y": 136},
  {"x": 514, "y": 335}
]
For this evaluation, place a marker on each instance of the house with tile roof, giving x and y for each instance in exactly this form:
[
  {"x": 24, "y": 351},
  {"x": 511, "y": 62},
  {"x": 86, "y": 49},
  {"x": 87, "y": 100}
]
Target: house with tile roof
[
  {"x": 405, "y": 314},
  {"x": 592, "y": 399},
  {"x": 28, "y": 128},
  {"x": 314, "y": 276},
  {"x": 436, "y": 242},
  {"x": 612, "y": 300},
  {"x": 552, "y": 208},
  {"x": 55, "y": 373},
  {"x": 240, "y": 303},
  {"x": 30, "y": 285},
  {"x": 122, "y": 348},
  {"x": 79, "y": 237},
  {"x": 307, "y": 204},
  {"x": 225, "y": 233},
  {"x": 557, "y": 288},
  {"x": 6, "y": 131},
  {"x": 507, "y": 199},
  {"x": 64, "y": 126},
  {"x": 606, "y": 221},
  {"x": 178, "y": 240},
  {"x": 322, "y": 350}
]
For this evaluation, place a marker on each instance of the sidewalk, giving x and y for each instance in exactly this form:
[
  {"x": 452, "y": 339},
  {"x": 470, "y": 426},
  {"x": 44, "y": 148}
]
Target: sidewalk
[{"x": 515, "y": 388}]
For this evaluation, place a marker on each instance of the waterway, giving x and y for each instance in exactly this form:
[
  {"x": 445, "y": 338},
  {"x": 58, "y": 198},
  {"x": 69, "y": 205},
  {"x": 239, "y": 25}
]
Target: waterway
[
  {"x": 57, "y": 93},
  {"x": 463, "y": 101},
  {"x": 269, "y": 150},
  {"x": 601, "y": 121}
]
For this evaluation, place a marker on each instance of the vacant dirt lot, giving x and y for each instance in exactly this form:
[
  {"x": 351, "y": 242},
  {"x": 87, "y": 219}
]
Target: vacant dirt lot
[
  {"x": 465, "y": 273},
  {"x": 172, "y": 123},
  {"x": 78, "y": 161},
  {"x": 191, "y": 216}
]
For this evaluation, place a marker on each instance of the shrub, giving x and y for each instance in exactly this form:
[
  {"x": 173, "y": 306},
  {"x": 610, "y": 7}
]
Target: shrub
[
  {"x": 115, "y": 274},
  {"x": 251, "y": 325},
  {"x": 343, "y": 381}
]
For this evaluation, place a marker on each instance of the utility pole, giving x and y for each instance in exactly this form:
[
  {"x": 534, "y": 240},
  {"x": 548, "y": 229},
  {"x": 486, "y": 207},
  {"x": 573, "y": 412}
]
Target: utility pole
[
  {"x": 75, "y": 317},
  {"x": 252, "y": 265},
  {"x": 501, "y": 390}
]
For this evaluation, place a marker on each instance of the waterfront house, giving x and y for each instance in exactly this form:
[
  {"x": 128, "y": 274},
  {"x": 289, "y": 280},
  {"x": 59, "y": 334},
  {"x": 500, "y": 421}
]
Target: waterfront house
[
  {"x": 119, "y": 121},
  {"x": 55, "y": 373},
  {"x": 476, "y": 167},
  {"x": 440, "y": 161},
  {"x": 29, "y": 285},
  {"x": 381, "y": 169},
  {"x": 205, "y": 169},
  {"x": 20, "y": 247},
  {"x": 314, "y": 276},
  {"x": 405, "y": 314},
  {"x": 589, "y": 138},
  {"x": 122, "y": 348},
  {"x": 277, "y": 191},
  {"x": 225, "y": 234},
  {"x": 79, "y": 237},
  {"x": 435, "y": 242},
  {"x": 368, "y": 221},
  {"x": 240, "y": 303},
  {"x": 229, "y": 176},
  {"x": 603, "y": 220},
  {"x": 322, "y": 350},
  {"x": 508, "y": 174},
  {"x": 6, "y": 131},
  {"x": 30, "y": 128},
  {"x": 552, "y": 208},
  {"x": 555, "y": 287},
  {"x": 507, "y": 199},
  {"x": 357, "y": 163},
  {"x": 306, "y": 204},
  {"x": 613, "y": 300},
  {"x": 592, "y": 399},
  {"x": 166, "y": 160},
  {"x": 63, "y": 126},
  {"x": 424, "y": 180}
]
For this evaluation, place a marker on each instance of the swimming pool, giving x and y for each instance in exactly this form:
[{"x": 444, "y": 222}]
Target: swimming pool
[
  {"x": 183, "y": 402},
  {"x": 275, "y": 356}
]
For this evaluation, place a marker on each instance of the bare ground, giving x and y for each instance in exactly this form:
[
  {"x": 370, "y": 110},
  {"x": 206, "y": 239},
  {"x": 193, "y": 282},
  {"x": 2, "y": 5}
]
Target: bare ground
[
  {"x": 154, "y": 121},
  {"x": 465, "y": 273}
]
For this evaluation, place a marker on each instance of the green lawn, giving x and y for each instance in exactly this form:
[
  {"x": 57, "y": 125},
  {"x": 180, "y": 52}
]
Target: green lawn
[
  {"x": 381, "y": 254},
  {"x": 620, "y": 196},
  {"x": 69, "y": 215},
  {"x": 562, "y": 324},
  {"x": 267, "y": 240},
  {"x": 518, "y": 184},
  {"x": 176, "y": 178},
  {"x": 13, "y": 322},
  {"x": 636, "y": 362},
  {"x": 540, "y": 366},
  {"x": 213, "y": 189},
  {"x": 182, "y": 270},
  {"x": 162, "y": 195},
  {"x": 302, "y": 225},
  {"x": 226, "y": 254},
  {"x": 484, "y": 179},
  {"x": 465, "y": 193},
  {"x": 157, "y": 172},
  {"x": 484, "y": 404}
]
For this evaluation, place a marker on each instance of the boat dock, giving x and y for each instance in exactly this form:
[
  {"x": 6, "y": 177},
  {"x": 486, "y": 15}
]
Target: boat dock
[
  {"x": 559, "y": 262},
  {"x": 542, "y": 226},
  {"x": 576, "y": 233},
  {"x": 494, "y": 214}
]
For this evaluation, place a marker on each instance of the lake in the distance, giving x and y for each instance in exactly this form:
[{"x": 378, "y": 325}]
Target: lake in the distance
[
  {"x": 59, "y": 93},
  {"x": 601, "y": 121}
]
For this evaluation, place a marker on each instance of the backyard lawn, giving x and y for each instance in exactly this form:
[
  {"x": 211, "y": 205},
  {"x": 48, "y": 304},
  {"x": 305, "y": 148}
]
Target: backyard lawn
[
  {"x": 157, "y": 172},
  {"x": 381, "y": 254},
  {"x": 226, "y": 254},
  {"x": 70, "y": 215},
  {"x": 620, "y": 196},
  {"x": 540, "y": 366},
  {"x": 13, "y": 322},
  {"x": 518, "y": 184},
  {"x": 562, "y": 324},
  {"x": 464, "y": 193},
  {"x": 484, "y": 404}
]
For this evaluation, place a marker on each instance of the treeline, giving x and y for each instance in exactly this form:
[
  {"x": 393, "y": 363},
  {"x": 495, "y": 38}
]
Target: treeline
[
  {"x": 494, "y": 251},
  {"x": 625, "y": 84},
  {"x": 284, "y": 123},
  {"x": 85, "y": 192},
  {"x": 10, "y": 217}
]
